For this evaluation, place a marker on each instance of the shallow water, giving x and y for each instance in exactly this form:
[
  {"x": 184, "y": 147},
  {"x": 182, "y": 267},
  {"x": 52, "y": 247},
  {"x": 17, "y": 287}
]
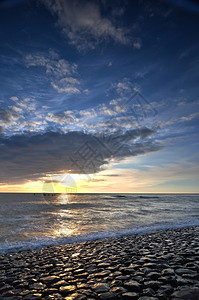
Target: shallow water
[{"x": 28, "y": 220}]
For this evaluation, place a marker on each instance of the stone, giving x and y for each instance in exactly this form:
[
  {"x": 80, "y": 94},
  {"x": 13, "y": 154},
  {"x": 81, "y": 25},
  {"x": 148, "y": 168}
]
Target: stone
[
  {"x": 65, "y": 290},
  {"x": 168, "y": 271},
  {"x": 181, "y": 271},
  {"x": 148, "y": 292},
  {"x": 49, "y": 279},
  {"x": 76, "y": 296},
  {"x": 187, "y": 294},
  {"x": 49, "y": 291},
  {"x": 117, "y": 290},
  {"x": 130, "y": 295},
  {"x": 147, "y": 298},
  {"x": 54, "y": 296},
  {"x": 101, "y": 288},
  {"x": 59, "y": 283},
  {"x": 152, "y": 284},
  {"x": 107, "y": 295},
  {"x": 38, "y": 286},
  {"x": 153, "y": 275},
  {"x": 132, "y": 285}
]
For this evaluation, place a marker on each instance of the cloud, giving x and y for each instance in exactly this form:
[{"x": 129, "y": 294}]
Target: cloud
[
  {"x": 2, "y": 130},
  {"x": 137, "y": 43},
  {"x": 61, "y": 73},
  {"x": 83, "y": 24},
  {"x": 190, "y": 117},
  {"x": 63, "y": 118},
  {"x": 14, "y": 98},
  {"x": 123, "y": 87},
  {"x": 8, "y": 117},
  {"x": 33, "y": 156}
]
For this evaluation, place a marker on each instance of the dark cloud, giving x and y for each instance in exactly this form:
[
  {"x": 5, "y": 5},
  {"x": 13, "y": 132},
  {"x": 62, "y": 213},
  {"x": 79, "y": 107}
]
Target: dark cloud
[
  {"x": 111, "y": 175},
  {"x": 31, "y": 156},
  {"x": 1, "y": 130}
]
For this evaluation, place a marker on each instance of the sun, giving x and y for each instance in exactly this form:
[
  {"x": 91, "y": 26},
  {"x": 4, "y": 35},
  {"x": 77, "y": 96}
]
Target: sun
[{"x": 63, "y": 183}]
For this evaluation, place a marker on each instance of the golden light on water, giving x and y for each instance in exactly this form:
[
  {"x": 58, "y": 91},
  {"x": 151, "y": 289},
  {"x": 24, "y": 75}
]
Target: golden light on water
[
  {"x": 63, "y": 231},
  {"x": 63, "y": 199}
]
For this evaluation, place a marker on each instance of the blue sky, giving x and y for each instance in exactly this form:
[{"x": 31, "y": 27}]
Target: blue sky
[{"x": 100, "y": 87}]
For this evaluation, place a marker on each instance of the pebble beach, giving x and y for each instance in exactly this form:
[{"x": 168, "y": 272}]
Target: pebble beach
[{"x": 160, "y": 265}]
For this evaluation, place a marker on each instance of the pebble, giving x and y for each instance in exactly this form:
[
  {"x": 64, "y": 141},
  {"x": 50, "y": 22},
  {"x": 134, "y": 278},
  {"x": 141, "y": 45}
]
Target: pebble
[{"x": 160, "y": 265}]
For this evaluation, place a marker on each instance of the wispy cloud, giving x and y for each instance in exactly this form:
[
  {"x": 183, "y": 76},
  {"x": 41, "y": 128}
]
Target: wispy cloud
[
  {"x": 61, "y": 73},
  {"x": 83, "y": 24}
]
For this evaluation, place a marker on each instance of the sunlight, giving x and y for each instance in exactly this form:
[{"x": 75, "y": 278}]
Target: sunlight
[
  {"x": 63, "y": 199},
  {"x": 63, "y": 231}
]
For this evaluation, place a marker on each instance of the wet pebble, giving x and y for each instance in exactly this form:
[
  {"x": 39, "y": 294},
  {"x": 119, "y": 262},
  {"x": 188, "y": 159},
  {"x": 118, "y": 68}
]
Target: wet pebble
[{"x": 156, "y": 266}]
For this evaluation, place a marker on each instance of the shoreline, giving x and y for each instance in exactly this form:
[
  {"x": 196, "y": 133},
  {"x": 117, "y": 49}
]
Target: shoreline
[
  {"x": 61, "y": 241},
  {"x": 162, "y": 264}
]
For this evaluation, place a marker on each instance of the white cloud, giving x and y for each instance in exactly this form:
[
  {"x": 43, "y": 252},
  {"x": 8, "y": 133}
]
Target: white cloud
[
  {"x": 137, "y": 44},
  {"x": 61, "y": 73},
  {"x": 65, "y": 118},
  {"x": 16, "y": 109},
  {"x": 104, "y": 110},
  {"x": 65, "y": 88},
  {"x": 123, "y": 87},
  {"x": 190, "y": 117},
  {"x": 14, "y": 98},
  {"x": 83, "y": 24}
]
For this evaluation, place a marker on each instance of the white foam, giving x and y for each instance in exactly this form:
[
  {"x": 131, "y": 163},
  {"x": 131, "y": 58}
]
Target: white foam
[{"x": 49, "y": 241}]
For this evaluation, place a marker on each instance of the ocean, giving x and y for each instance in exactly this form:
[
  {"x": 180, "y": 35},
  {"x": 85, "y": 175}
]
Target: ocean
[{"x": 37, "y": 220}]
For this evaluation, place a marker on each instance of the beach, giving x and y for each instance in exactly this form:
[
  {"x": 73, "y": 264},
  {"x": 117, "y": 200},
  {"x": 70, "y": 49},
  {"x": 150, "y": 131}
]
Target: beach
[{"x": 163, "y": 264}]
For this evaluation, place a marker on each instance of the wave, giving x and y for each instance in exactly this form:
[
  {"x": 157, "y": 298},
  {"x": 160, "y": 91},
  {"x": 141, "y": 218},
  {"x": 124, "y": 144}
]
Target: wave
[
  {"x": 149, "y": 197},
  {"x": 50, "y": 241}
]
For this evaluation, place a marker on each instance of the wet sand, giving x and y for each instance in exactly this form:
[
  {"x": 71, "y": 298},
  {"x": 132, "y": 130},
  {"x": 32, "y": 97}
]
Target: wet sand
[{"x": 160, "y": 265}]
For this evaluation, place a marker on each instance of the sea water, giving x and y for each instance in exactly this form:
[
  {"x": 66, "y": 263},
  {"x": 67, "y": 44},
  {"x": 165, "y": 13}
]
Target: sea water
[{"x": 36, "y": 220}]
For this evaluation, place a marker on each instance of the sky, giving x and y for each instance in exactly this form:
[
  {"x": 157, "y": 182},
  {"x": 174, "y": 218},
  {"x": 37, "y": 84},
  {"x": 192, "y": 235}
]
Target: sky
[{"x": 99, "y": 96}]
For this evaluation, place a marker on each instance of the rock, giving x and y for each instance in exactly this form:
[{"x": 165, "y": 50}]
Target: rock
[
  {"x": 148, "y": 292},
  {"x": 49, "y": 279},
  {"x": 132, "y": 285},
  {"x": 35, "y": 296},
  {"x": 59, "y": 283},
  {"x": 153, "y": 275},
  {"x": 65, "y": 290},
  {"x": 38, "y": 286},
  {"x": 101, "y": 288},
  {"x": 79, "y": 271},
  {"x": 104, "y": 265},
  {"x": 147, "y": 298},
  {"x": 117, "y": 290},
  {"x": 181, "y": 271},
  {"x": 49, "y": 291},
  {"x": 54, "y": 296},
  {"x": 107, "y": 295},
  {"x": 116, "y": 282},
  {"x": 123, "y": 277},
  {"x": 168, "y": 271},
  {"x": 130, "y": 295},
  {"x": 102, "y": 274},
  {"x": 152, "y": 284},
  {"x": 188, "y": 294},
  {"x": 76, "y": 296},
  {"x": 166, "y": 289}
]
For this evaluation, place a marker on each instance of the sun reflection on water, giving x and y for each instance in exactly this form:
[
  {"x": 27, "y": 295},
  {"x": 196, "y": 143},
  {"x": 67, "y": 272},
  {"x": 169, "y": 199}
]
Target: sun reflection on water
[
  {"x": 63, "y": 231},
  {"x": 63, "y": 199}
]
